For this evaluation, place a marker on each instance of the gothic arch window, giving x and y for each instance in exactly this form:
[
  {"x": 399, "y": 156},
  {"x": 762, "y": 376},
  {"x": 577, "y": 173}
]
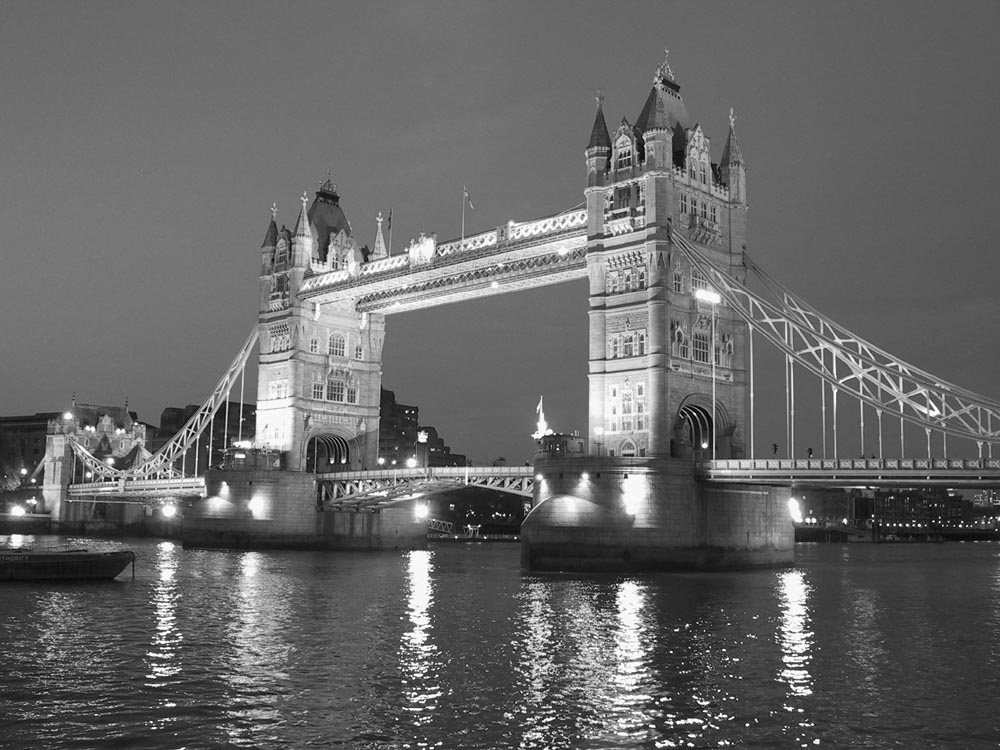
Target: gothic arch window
[
  {"x": 627, "y": 346},
  {"x": 359, "y": 352},
  {"x": 627, "y": 287},
  {"x": 702, "y": 173},
  {"x": 624, "y": 159},
  {"x": 642, "y": 277},
  {"x": 700, "y": 347},
  {"x": 691, "y": 169},
  {"x": 678, "y": 281},
  {"x": 694, "y": 205},
  {"x": 627, "y": 448},
  {"x": 704, "y": 209},
  {"x": 698, "y": 280},
  {"x": 627, "y": 411},
  {"x": 614, "y": 348},
  {"x": 684, "y": 203},
  {"x": 338, "y": 345},
  {"x": 335, "y": 390},
  {"x": 640, "y": 344}
]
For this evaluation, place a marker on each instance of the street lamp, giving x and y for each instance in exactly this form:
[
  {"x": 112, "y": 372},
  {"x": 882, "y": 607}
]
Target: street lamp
[
  {"x": 712, "y": 298},
  {"x": 599, "y": 432}
]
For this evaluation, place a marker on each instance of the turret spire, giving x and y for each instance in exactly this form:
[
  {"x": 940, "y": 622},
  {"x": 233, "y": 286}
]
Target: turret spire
[
  {"x": 271, "y": 236},
  {"x": 599, "y": 137},
  {"x": 379, "y": 250},
  {"x": 302, "y": 225}
]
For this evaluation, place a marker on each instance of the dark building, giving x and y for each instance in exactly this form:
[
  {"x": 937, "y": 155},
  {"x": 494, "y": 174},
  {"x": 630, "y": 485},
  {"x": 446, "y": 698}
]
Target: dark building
[
  {"x": 229, "y": 426},
  {"x": 401, "y": 438}
]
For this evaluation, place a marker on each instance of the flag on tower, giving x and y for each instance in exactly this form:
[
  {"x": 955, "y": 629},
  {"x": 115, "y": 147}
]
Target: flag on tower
[
  {"x": 538, "y": 409},
  {"x": 388, "y": 224},
  {"x": 468, "y": 200}
]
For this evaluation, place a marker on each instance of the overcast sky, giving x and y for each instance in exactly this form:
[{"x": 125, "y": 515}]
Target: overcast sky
[{"x": 143, "y": 144}]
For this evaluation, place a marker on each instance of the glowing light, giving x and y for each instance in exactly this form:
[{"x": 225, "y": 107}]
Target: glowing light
[
  {"x": 422, "y": 436},
  {"x": 255, "y": 506},
  {"x": 239, "y": 455},
  {"x": 243, "y": 444},
  {"x": 707, "y": 295},
  {"x": 168, "y": 511},
  {"x": 794, "y": 510},
  {"x": 494, "y": 285},
  {"x": 704, "y": 444},
  {"x": 110, "y": 461},
  {"x": 420, "y": 511},
  {"x": 17, "y": 510},
  {"x": 633, "y": 493},
  {"x": 23, "y": 471},
  {"x": 539, "y": 477},
  {"x": 68, "y": 415},
  {"x": 411, "y": 463},
  {"x": 585, "y": 476}
]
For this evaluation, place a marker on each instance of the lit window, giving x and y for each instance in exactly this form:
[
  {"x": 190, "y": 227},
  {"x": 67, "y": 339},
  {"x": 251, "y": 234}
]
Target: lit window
[
  {"x": 338, "y": 345},
  {"x": 698, "y": 281},
  {"x": 335, "y": 390},
  {"x": 626, "y": 411},
  {"x": 700, "y": 347}
]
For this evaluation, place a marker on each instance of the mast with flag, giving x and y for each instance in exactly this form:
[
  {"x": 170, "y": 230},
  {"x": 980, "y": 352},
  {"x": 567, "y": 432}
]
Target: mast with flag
[
  {"x": 543, "y": 427},
  {"x": 465, "y": 199},
  {"x": 389, "y": 227}
]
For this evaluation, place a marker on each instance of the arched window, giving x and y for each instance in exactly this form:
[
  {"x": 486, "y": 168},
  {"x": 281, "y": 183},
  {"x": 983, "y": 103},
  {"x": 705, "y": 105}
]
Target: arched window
[
  {"x": 624, "y": 160},
  {"x": 684, "y": 203},
  {"x": 702, "y": 173},
  {"x": 626, "y": 411},
  {"x": 640, "y": 344},
  {"x": 642, "y": 277},
  {"x": 627, "y": 448},
  {"x": 627, "y": 345},
  {"x": 359, "y": 352},
  {"x": 338, "y": 345},
  {"x": 614, "y": 348},
  {"x": 313, "y": 346},
  {"x": 700, "y": 347},
  {"x": 678, "y": 281},
  {"x": 628, "y": 281}
]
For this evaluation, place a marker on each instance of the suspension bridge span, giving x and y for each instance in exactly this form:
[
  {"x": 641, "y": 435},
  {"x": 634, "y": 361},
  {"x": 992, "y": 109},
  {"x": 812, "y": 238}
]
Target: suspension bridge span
[{"x": 670, "y": 473}]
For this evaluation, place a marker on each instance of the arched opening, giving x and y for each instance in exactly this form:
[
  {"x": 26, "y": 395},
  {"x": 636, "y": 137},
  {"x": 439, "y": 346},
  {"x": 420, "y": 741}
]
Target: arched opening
[
  {"x": 696, "y": 431},
  {"x": 627, "y": 448},
  {"x": 327, "y": 453}
]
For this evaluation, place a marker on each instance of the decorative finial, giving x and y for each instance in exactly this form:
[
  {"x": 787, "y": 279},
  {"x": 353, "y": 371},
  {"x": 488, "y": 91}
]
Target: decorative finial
[
  {"x": 599, "y": 98},
  {"x": 379, "y": 220},
  {"x": 274, "y": 211},
  {"x": 305, "y": 199},
  {"x": 732, "y": 119},
  {"x": 663, "y": 70}
]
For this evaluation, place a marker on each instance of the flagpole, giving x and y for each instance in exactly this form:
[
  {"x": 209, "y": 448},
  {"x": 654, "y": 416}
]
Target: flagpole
[
  {"x": 389, "y": 250},
  {"x": 465, "y": 192}
]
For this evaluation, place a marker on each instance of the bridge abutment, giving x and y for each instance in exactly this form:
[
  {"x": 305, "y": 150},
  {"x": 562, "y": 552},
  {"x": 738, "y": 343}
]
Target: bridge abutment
[{"x": 606, "y": 514}]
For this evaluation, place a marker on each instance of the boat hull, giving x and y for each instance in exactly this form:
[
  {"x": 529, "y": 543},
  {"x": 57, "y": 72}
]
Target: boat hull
[{"x": 63, "y": 566}]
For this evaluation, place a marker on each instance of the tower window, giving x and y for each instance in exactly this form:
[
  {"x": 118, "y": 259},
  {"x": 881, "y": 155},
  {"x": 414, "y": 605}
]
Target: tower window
[
  {"x": 317, "y": 391},
  {"x": 702, "y": 173},
  {"x": 715, "y": 213},
  {"x": 359, "y": 352},
  {"x": 352, "y": 395},
  {"x": 684, "y": 203},
  {"x": 624, "y": 160},
  {"x": 640, "y": 344},
  {"x": 313, "y": 346},
  {"x": 627, "y": 346},
  {"x": 338, "y": 345},
  {"x": 704, "y": 210},
  {"x": 642, "y": 278},
  {"x": 698, "y": 281},
  {"x": 694, "y": 205},
  {"x": 335, "y": 390},
  {"x": 700, "y": 346},
  {"x": 678, "y": 281}
]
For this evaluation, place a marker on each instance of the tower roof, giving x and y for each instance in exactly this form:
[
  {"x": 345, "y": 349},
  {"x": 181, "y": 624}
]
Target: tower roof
[
  {"x": 664, "y": 108},
  {"x": 731, "y": 154},
  {"x": 599, "y": 137},
  {"x": 302, "y": 223},
  {"x": 271, "y": 237},
  {"x": 326, "y": 217}
]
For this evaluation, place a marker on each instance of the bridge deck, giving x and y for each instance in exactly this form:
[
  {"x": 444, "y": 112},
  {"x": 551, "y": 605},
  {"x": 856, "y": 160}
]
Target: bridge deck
[{"x": 845, "y": 472}]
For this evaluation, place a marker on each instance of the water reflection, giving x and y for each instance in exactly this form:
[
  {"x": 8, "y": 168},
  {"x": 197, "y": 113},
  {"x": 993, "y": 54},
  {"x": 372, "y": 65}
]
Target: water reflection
[
  {"x": 632, "y": 697},
  {"x": 259, "y": 654},
  {"x": 795, "y": 635},
  {"x": 417, "y": 654},
  {"x": 162, "y": 657}
]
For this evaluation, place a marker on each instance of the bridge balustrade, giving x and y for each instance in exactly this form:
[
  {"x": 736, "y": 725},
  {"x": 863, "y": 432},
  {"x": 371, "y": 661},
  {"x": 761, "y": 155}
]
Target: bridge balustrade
[{"x": 853, "y": 464}]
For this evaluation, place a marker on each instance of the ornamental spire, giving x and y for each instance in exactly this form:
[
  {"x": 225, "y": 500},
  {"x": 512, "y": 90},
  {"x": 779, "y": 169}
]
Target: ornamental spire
[
  {"x": 663, "y": 71},
  {"x": 302, "y": 225},
  {"x": 599, "y": 137}
]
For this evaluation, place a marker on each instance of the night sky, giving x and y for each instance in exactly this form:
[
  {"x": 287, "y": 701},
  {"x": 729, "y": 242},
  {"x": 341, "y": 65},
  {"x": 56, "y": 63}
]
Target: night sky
[{"x": 143, "y": 145}]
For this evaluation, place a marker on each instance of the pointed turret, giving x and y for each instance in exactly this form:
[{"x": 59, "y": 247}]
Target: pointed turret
[
  {"x": 732, "y": 168},
  {"x": 302, "y": 242},
  {"x": 380, "y": 250},
  {"x": 599, "y": 148},
  {"x": 270, "y": 244}
]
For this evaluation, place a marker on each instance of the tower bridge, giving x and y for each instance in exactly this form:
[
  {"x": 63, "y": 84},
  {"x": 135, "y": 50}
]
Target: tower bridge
[{"x": 676, "y": 307}]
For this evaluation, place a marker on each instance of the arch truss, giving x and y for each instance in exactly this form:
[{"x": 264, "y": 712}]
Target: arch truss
[
  {"x": 161, "y": 465},
  {"x": 847, "y": 362}
]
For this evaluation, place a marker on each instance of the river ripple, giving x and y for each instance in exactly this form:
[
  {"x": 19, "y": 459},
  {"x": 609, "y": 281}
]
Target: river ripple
[{"x": 856, "y": 646}]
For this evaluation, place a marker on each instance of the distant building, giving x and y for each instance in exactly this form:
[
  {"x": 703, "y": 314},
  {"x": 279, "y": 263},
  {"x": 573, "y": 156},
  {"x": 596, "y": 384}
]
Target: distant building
[
  {"x": 401, "y": 437},
  {"x": 230, "y": 425}
]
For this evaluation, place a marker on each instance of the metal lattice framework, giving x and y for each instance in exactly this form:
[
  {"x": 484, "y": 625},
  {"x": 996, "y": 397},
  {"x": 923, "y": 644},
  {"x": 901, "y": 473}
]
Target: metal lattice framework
[
  {"x": 160, "y": 465},
  {"x": 847, "y": 362},
  {"x": 365, "y": 488}
]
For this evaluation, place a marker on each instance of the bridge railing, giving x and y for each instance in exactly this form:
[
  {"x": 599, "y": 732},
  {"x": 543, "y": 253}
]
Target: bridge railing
[
  {"x": 431, "y": 472},
  {"x": 851, "y": 464}
]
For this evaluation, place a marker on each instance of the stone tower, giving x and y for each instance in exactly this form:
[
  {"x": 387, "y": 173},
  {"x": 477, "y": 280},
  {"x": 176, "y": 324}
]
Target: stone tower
[
  {"x": 319, "y": 373},
  {"x": 652, "y": 341}
]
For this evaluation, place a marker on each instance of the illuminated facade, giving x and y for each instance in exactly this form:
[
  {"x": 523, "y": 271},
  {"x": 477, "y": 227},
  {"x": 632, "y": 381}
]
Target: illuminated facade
[
  {"x": 320, "y": 371},
  {"x": 652, "y": 341}
]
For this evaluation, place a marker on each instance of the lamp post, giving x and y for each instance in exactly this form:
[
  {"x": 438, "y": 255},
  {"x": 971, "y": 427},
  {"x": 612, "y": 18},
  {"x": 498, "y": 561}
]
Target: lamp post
[
  {"x": 599, "y": 433},
  {"x": 713, "y": 298}
]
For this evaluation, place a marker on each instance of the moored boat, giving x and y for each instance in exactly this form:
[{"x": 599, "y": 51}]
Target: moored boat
[{"x": 77, "y": 564}]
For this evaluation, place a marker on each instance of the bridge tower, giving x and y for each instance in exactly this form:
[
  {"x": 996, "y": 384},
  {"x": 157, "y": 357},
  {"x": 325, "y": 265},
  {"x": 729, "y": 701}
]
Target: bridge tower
[
  {"x": 320, "y": 371},
  {"x": 651, "y": 337}
]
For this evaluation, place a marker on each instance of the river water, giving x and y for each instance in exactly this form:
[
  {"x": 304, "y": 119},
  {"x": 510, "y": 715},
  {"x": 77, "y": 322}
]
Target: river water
[{"x": 859, "y": 645}]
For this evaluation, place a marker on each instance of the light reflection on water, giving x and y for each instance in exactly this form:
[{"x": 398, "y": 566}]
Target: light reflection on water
[{"x": 457, "y": 648}]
